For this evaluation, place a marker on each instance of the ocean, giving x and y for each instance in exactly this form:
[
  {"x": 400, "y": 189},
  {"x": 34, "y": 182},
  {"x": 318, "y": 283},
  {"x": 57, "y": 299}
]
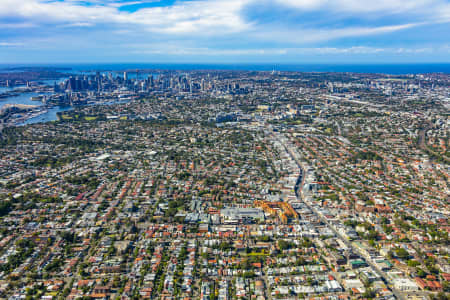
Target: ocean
[{"x": 394, "y": 69}]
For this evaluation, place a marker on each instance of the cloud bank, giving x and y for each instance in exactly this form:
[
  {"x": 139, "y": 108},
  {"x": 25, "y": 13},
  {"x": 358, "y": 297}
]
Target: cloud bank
[{"x": 223, "y": 27}]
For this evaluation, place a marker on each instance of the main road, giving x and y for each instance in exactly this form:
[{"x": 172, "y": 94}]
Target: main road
[
  {"x": 422, "y": 143},
  {"x": 299, "y": 194}
]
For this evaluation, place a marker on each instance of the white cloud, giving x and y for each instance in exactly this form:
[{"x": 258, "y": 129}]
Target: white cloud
[
  {"x": 78, "y": 24},
  {"x": 54, "y": 12},
  {"x": 414, "y": 50},
  {"x": 219, "y": 19},
  {"x": 350, "y": 50},
  {"x": 17, "y": 25},
  {"x": 364, "y": 6},
  {"x": 179, "y": 50},
  {"x": 213, "y": 17},
  {"x": 305, "y": 35},
  {"x": 200, "y": 17},
  {"x": 10, "y": 44}
]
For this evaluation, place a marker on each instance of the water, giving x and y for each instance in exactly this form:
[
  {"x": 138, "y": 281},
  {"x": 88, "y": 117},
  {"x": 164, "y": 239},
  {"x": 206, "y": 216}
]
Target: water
[
  {"x": 4, "y": 89},
  {"x": 51, "y": 115},
  {"x": 356, "y": 68},
  {"x": 24, "y": 98}
]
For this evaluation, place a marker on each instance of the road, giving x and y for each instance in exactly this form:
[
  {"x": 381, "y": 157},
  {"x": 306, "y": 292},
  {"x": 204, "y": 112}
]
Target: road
[
  {"x": 423, "y": 142},
  {"x": 298, "y": 192}
]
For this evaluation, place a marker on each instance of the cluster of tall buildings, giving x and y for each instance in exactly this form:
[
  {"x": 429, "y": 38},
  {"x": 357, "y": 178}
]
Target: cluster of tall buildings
[{"x": 140, "y": 82}]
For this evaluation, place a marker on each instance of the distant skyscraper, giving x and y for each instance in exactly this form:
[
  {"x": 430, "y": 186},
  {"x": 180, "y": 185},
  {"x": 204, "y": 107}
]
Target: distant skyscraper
[
  {"x": 125, "y": 76},
  {"x": 150, "y": 81},
  {"x": 203, "y": 85},
  {"x": 71, "y": 84}
]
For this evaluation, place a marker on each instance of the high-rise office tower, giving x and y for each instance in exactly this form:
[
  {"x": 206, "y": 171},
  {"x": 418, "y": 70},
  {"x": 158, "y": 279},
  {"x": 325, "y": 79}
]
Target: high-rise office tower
[{"x": 150, "y": 81}]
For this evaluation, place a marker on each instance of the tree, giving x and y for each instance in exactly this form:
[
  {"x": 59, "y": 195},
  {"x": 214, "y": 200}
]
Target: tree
[
  {"x": 284, "y": 245},
  {"x": 369, "y": 294},
  {"x": 372, "y": 235},
  {"x": 421, "y": 273},
  {"x": 5, "y": 208},
  {"x": 442, "y": 296},
  {"x": 413, "y": 263},
  {"x": 401, "y": 253},
  {"x": 69, "y": 237}
]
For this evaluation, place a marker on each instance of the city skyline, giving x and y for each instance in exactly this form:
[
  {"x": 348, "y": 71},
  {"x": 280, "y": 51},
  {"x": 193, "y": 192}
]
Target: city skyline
[{"x": 303, "y": 31}]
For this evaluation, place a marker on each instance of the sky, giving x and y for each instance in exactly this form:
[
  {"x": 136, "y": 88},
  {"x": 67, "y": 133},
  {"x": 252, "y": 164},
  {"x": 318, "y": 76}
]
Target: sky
[{"x": 224, "y": 31}]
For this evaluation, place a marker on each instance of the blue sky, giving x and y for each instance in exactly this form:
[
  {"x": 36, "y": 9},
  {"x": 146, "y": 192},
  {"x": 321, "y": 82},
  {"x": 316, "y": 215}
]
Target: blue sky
[{"x": 224, "y": 31}]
